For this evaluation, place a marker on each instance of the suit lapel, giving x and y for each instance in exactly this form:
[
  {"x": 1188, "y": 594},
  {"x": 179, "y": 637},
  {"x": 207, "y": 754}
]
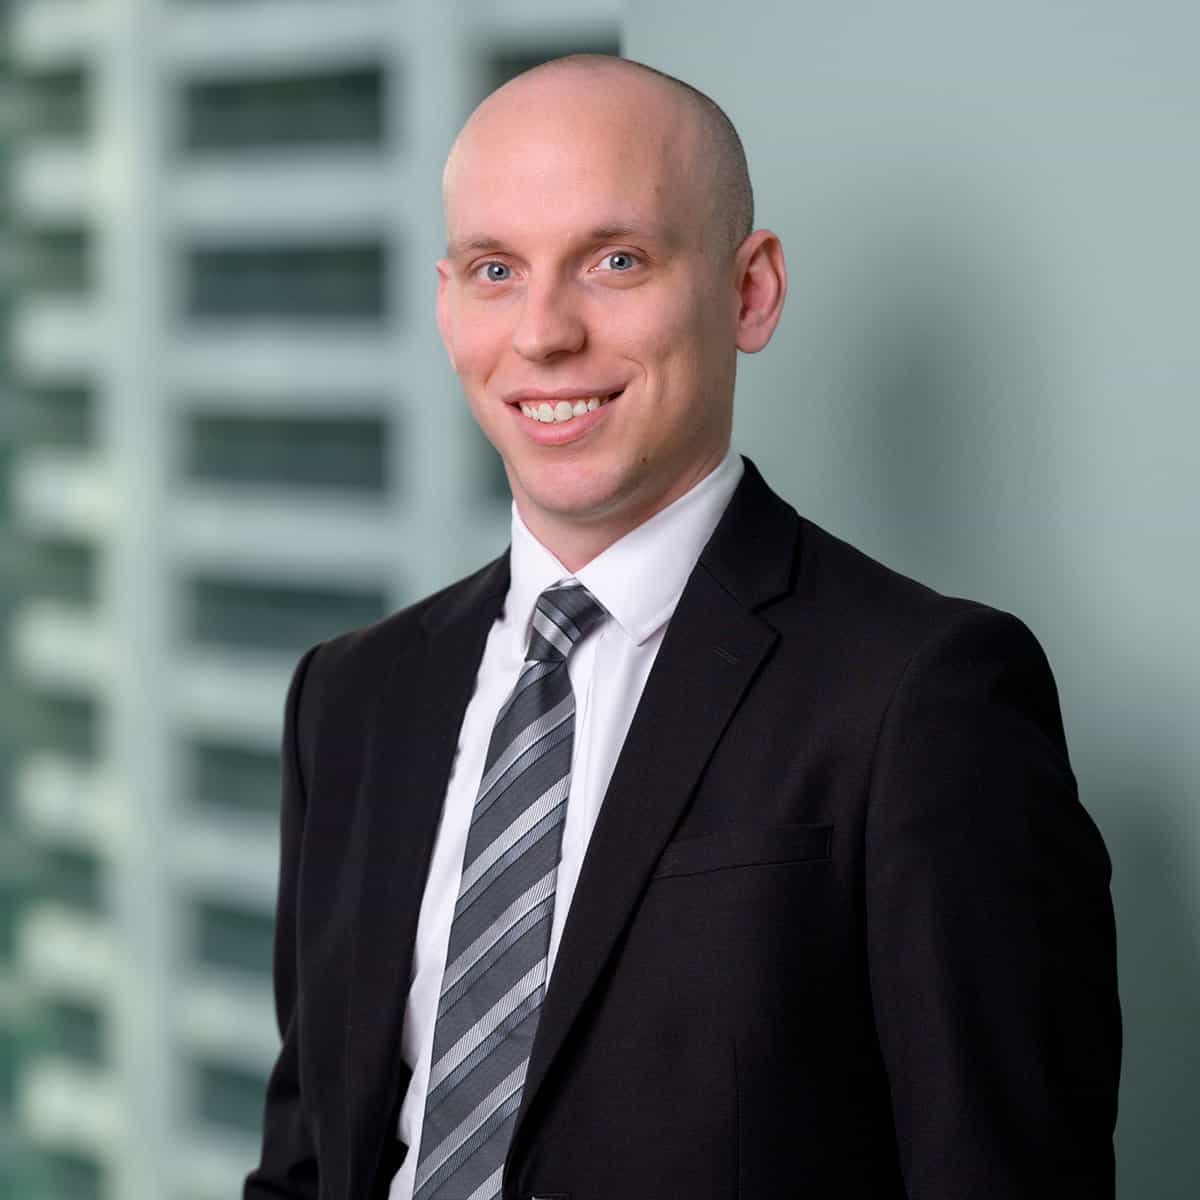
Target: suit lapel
[
  {"x": 411, "y": 753},
  {"x": 714, "y": 647}
]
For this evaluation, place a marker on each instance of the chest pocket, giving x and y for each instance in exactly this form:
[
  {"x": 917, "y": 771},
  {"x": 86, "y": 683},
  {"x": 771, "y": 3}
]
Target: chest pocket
[{"x": 745, "y": 848}]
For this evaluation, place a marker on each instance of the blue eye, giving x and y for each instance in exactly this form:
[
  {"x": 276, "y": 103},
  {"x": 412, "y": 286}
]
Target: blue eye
[
  {"x": 619, "y": 260},
  {"x": 496, "y": 272}
]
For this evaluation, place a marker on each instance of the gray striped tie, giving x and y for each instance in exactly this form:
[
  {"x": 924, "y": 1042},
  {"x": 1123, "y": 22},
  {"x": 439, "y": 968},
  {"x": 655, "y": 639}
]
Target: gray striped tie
[{"x": 496, "y": 964}]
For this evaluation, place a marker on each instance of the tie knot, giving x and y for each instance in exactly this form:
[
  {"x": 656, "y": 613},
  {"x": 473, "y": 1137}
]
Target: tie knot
[{"x": 563, "y": 616}]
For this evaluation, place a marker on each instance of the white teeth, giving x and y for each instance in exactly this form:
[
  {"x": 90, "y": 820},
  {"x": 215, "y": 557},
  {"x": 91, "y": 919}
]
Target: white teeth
[{"x": 563, "y": 410}]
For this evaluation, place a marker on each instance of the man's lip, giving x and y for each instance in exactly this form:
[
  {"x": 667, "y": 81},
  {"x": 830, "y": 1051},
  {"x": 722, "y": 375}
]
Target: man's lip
[
  {"x": 536, "y": 397},
  {"x": 560, "y": 433}
]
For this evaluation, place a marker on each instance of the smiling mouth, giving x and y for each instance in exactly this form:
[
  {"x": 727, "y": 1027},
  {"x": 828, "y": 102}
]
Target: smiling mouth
[{"x": 564, "y": 410}]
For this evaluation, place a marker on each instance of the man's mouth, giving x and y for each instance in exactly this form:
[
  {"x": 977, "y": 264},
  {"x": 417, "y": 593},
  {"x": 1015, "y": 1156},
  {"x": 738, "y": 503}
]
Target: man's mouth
[{"x": 561, "y": 411}]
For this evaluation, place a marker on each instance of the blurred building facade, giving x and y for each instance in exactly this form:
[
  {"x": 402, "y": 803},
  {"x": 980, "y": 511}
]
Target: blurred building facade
[
  {"x": 15, "y": 875},
  {"x": 226, "y": 433}
]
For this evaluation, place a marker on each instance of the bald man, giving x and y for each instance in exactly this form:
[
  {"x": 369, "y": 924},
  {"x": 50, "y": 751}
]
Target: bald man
[{"x": 682, "y": 851}]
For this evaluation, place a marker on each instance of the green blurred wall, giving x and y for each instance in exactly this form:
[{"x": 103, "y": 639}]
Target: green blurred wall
[{"x": 987, "y": 376}]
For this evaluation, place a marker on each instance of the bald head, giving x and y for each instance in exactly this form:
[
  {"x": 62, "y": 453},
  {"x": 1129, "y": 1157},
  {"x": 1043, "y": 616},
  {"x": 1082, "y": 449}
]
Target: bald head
[
  {"x": 600, "y": 279},
  {"x": 690, "y": 126}
]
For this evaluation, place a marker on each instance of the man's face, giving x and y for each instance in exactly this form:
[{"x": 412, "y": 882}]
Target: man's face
[{"x": 585, "y": 275}]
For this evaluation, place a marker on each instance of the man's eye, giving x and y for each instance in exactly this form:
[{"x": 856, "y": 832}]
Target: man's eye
[
  {"x": 619, "y": 260},
  {"x": 496, "y": 272}
]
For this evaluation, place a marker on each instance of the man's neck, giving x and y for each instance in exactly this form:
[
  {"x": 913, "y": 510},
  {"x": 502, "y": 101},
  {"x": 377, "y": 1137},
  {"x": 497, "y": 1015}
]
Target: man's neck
[{"x": 576, "y": 541}]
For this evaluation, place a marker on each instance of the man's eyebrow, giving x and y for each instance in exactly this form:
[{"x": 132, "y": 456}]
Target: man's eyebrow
[
  {"x": 632, "y": 229},
  {"x": 474, "y": 245},
  {"x": 480, "y": 244}
]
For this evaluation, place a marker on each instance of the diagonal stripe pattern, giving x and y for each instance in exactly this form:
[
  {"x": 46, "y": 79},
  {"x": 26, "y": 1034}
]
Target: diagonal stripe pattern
[{"x": 495, "y": 974}]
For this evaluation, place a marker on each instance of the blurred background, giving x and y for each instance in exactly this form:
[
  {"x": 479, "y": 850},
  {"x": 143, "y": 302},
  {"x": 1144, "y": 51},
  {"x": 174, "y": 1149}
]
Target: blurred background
[{"x": 227, "y": 431}]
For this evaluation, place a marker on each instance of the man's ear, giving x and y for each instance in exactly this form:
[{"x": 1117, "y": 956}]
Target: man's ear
[
  {"x": 760, "y": 277},
  {"x": 443, "y": 314}
]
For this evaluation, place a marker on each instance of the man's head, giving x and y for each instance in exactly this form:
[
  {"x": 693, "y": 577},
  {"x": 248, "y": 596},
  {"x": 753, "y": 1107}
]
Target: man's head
[{"x": 598, "y": 218}]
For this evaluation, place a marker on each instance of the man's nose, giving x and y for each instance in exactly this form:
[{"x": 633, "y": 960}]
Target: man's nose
[{"x": 549, "y": 324}]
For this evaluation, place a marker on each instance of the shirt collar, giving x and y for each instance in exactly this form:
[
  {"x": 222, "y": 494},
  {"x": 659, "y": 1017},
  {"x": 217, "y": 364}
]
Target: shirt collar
[{"x": 656, "y": 558}]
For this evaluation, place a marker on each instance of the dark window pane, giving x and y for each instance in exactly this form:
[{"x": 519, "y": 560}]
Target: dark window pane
[
  {"x": 73, "y": 1177},
  {"x": 338, "y": 108},
  {"x": 233, "y": 777},
  {"x": 61, "y": 570},
  {"x": 232, "y": 938},
  {"x": 74, "y": 1030},
  {"x": 71, "y": 876},
  {"x": 56, "y": 259},
  {"x": 310, "y": 453},
  {"x": 10, "y": 1055},
  {"x": 287, "y": 282},
  {"x": 64, "y": 724},
  {"x": 12, "y": 902},
  {"x": 56, "y": 103},
  {"x": 274, "y": 617},
  {"x": 228, "y": 1097},
  {"x": 55, "y": 415}
]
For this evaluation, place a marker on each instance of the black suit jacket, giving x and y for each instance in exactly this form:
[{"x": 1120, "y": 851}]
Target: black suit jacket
[{"x": 842, "y": 929}]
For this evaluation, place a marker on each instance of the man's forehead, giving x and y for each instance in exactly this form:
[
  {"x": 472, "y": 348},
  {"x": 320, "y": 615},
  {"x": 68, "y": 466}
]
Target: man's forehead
[{"x": 569, "y": 185}]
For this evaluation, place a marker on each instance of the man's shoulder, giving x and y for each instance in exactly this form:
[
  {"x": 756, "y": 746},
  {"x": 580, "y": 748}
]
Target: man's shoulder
[
  {"x": 803, "y": 578},
  {"x": 842, "y": 578},
  {"x": 874, "y": 613}
]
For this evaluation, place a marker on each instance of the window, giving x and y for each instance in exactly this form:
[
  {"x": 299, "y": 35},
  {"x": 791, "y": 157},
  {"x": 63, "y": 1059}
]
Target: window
[
  {"x": 59, "y": 723},
  {"x": 231, "y": 1097},
  {"x": 56, "y": 415},
  {"x": 340, "y": 282},
  {"x": 72, "y": 876},
  {"x": 232, "y": 939},
  {"x": 277, "y": 617},
  {"x": 74, "y": 1030},
  {"x": 61, "y": 570},
  {"x": 71, "y": 1176},
  {"x": 56, "y": 259},
  {"x": 340, "y": 108},
  {"x": 344, "y": 454},
  {"x": 56, "y": 102},
  {"x": 232, "y": 778}
]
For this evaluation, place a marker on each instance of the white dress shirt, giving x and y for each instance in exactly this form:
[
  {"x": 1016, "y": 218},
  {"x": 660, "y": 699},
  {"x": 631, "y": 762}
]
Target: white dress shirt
[{"x": 638, "y": 580}]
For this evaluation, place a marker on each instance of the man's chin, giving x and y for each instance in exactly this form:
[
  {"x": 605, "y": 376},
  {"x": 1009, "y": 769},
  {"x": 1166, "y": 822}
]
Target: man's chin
[{"x": 571, "y": 500}]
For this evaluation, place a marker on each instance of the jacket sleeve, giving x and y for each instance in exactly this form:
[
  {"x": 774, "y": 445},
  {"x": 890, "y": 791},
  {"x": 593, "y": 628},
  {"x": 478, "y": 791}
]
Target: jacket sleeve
[
  {"x": 288, "y": 1165},
  {"x": 990, "y": 932}
]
